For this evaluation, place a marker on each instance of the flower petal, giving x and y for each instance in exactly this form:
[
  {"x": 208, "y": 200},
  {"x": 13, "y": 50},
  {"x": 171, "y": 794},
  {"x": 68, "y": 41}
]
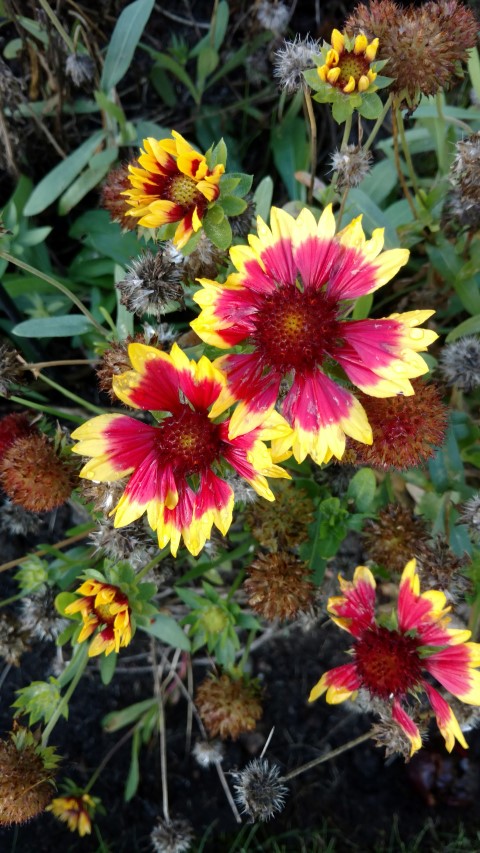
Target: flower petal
[
  {"x": 446, "y": 719},
  {"x": 340, "y": 684}
]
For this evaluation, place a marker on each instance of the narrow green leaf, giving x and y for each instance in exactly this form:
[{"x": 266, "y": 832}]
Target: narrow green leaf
[
  {"x": 262, "y": 197},
  {"x": 133, "y": 777},
  {"x": 107, "y": 667},
  {"x": 162, "y": 60},
  {"x": 53, "y": 184},
  {"x": 124, "y": 41},
  {"x": 165, "y": 628},
  {"x": 63, "y": 326},
  {"x": 88, "y": 180},
  {"x": 468, "y": 327},
  {"x": 119, "y": 719}
]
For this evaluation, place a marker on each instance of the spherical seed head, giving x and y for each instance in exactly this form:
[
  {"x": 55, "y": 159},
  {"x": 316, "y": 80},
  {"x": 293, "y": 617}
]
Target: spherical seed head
[
  {"x": 133, "y": 544},
  {"x": 284, "y": 523},
  {"x": 13, "y": 639},
  {"x": 34, "y": 476},
  {"x": 151, "y": 282},
  {"x": 14, "y": 426},
  {"x": 206, "y": 260},
  {"x": 406, "y": 430},
  {"x": 291, "y": 60},
  {"x": 352, "y": 166},
  {"x": 259, "y": 790},
  {"x": 80, "y": 68},
  {"x": 460, "y": 363},
  {"x": 392, "y": 539},
  {"x": 273, "y": 15},
  {"x": 115, "y": 360},
  {"x": 103, "y": 496},
  {"x": 387, "y": 734},
  {"x": 465, "y": 169},
  {"x": 228, "y": 706},
  {"x": 39, "y": 617},
  {"x": 111, "y": 197},
  {"x": 470, "y": 515},
  {"x": 208, "y": 752},
  {"x": 11, "y": 369},
  {"x": 172, "y": 836},
  {"x": 440, "y": 568},
  {"x": 424, "y": 44},
  {"x": 278, "y": 586},
  {"x": 26, "y": 777}
]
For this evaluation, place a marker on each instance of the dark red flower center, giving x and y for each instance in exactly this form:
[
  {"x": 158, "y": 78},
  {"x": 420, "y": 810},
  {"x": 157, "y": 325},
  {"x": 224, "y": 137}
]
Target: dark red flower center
[
  {"x": 189, "y": 442},
  {"x": 103, "y": 611},
  {"x": 388, "y": 662},
  {"x": 179, "y": 188},
  {"x": 352, "y": 65},
  {"x": 295, "y": 329}
]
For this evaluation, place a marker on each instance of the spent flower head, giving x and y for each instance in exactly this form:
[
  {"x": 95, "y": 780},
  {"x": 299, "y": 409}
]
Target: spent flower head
[
  {"x": 352, "y": 164},
  {"x": 27, "y": 776},
  {"x": 272, "y": 15},
  {"x": 393, "y": 536},
  {"x": 459, "y": 363},
  {"x": 259, "y": 790},
  {"x": 279, "y": 586},
  {"x": 12, "y": 370},
  {"x": 34, "y": 475},
  {"x": 39, "y": 617},
  {"x": 292, "y": 59},
  {"x": 152, "y": 282},
  {"x": 80, "y": 68},
  {"x": 112, "y": 196},
  {"x": 208, "y": 752},
  {"x": 470, "y": 515},
  {"x": 172, "y": 836},
  {"x": 14, "y": 638},
  {"x": 228, "y": 706},
  {"x": 284, "y": 524}
]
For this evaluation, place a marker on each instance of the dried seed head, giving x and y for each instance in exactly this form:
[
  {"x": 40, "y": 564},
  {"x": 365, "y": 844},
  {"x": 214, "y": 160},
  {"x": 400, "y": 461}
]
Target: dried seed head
[
  {"x": 424, "y": 44},
  {"x": 259, "y": 790},
  {"x": 387, "y": 734},
  {"x": 440, "y": 568},
  {"x": 34, "y": 476},
  {"x": 470, "y": 515},
  {"x": 14, "y": 426},
  {"x": 352, "y": 165},
  {"x": 115, "y": 360},
  {"x": 278, "y": 586},
  {"x": 456, "y": 212},
  {"x": 228, "y": 706},
  {"x": 111, "y": 197},
  {"x": 80, "y": 68},
  {"x": 292, "y": 60},
  {"x": 460, "y": 363},
  {"x": 208, "y": 752},
  {"x": 17, "y": 520},
  {"x": 205, "y": 261},
  {"x": 12, "y": 369},
  {"x": 392, "y": 539},
  {"x": 27, "y": 773},
  {"x": 465, "y": 169},
  {"x": 13, "y": 639},
  {"x": 151, "y": 282},
  {"x": 103, "y": 496},
  {"x": 243, "y": 224},
  {"x": 133, "y": 544},
  {"x": 172, "y": 836},
  {"x": 273, "y": 15},
  {"x": 284, "y": 523},
  {"x": 39, "y": 617},
  {"x": 406, "y": 430}
]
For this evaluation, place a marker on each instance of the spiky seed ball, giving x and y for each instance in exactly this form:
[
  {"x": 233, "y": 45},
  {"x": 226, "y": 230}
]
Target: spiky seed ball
[
  {"x": 465, "y": 169},
  {"x": 26, "y": 777},
  {"x": 103, "y": 496},
  {"x": 14, "y": 426},
  {"x": 111, "y": 197},
  {"x": 406, "y": 430},
  {"x": 208, "y": 752},
  {"x": 132, "y": 544},
  {"x": 424, "y": 45},
  {"x": 283, "y": 524},
  {"x": 393, "y": 538},
  {"x": 440, "y": 568},
  {"x": 278, "y": 586},
  {"x": 273, "y": 15},
  {"x": 172, "y": 836},
  {"x": 228, "y": 706},
  {"x": 11, "y": 369},
  {"x": 206, "y": 260},
  {"x": 259, "y": 790},
  {"x": 387, "y": 734},
  {"x": 151, "y": 282},
  {"x": 34, "y": 476},
  {"x": 470, "y": 515},
  {"x": 39, "y": 617},
  {"x": 291, "y": 60},
  {"x": 459, "y": 363},
  {"x": 80, "y": 68},
  {"x": 13, "y": 638},
  {"x": 352, "y": 165}
]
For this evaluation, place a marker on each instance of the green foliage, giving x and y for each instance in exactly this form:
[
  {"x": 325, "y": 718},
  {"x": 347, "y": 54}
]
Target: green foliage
[{"x": 39, "y": 700}]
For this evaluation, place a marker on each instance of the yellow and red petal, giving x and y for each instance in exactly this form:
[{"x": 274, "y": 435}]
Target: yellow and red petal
[
  {"x": 355, "y": 610},
  {"x": 446, "y": 719},
  {"x": 154, "y": 382},
  {"x": 453, "y": 667},
  {"x": 339, "y": 684},
  {"x": 160, "y": 212},
  {"x": 104, "y": 641},
  {"x": 407, "y": 725},
  {"x": 117, "y": 443}
]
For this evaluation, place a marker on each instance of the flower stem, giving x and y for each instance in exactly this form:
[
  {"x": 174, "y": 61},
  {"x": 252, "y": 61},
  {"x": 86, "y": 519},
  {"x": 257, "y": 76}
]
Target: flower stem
[
  {"x": 46, "y": 410},
  {"x": 59, "y": 286},
  {"x": 406, "y": 152},
  {"x": 346, "y": 133},
  {"x": 313, "y": 141},
  {"x": 80, "y": 659},
  {"x": 58, "y": 26},
  {"x": 41, "y": 365},
  {"x": 63, "y": 544},
  {"x": 398, "y": 165},
  {"x": 328, "y": 755},
  {"x": 378, "y": 123},
  {"x": 71, "y": 396},
  {"x": 151, "y": 565}
]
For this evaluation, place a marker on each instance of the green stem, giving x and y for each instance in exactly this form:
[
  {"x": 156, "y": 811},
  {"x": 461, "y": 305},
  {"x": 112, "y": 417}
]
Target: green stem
[
  {"x": 342, "y": 208},
  {"x": 71, "y": 396},
  {"x": 42, "y": 551},
  {"x": 251, "y": 636},
  {"x": 80, "y": 659},
  {"x": 313, "y": 141},
  {"x": 328, "y": 755},
  {"x": 406, "y": 152},
  {"x": 151, "y": 565},
  {"x": 346, "y": 132},
  {"x": 41, "y": 365},
  {"x": 59, "y": 286},
  {"x": 398, "y": 165},
  {"x": 47, "y": 410},
  {"x": 58, "y": 26},
  {"x": 238, "y": 580},
  {"x": 378, "y": 123}
]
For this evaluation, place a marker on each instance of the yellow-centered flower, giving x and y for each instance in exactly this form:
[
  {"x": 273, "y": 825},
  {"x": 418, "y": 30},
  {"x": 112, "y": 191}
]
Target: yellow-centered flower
[{"x": 349, "y": 69}]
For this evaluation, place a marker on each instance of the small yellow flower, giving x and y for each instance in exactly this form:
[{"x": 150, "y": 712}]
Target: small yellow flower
[
  {"x": 349, "y": 69},
  {"x": 102, "y": 604},
  {"x": 77, "y": 812}
]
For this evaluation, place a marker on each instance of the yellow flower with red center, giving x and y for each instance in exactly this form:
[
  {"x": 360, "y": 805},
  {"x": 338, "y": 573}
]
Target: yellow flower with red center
[
  {"x": 182, "y": 469},
  {"x": 172, "y": 183},
  {"x": 289, "y": 305},
  {"x": 75, "y": 811},
  {"x": 102, "y": 606},
  {"x": 392, "y": 664},
  {"x": 349, "y": 68}
]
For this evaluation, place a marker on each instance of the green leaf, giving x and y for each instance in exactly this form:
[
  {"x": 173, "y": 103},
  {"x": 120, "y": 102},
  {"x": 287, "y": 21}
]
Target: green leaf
[
  {"x": 219, "y": 155},
  {"x": 373, "y": 216},
  {"x": 63, "y": 599},
  {"x": 207, "y": 62},
  {"x": 243, "y": 184},
  {"x": 361, "y": 489},
  {"x": 162, "y": 60},
  {"x": 107, "y": 667},
  {"x": 262, "y": 197},
  {"x": 221, "y": 24},
  {"x": 62, "y": 326},
  {"x": 218, "y": 230},
  {"x": 468, "y": 327},
  {"x": 99, "y": 166},
  {"x": 165, "y": 628},
  {"x": 362, "y": 307},
  {"x": 54, "y": 184},
  {"x": 371, "y": 106},
  {"x": 474, "y": 70},
  {"x": 290, "y": 153},
  {"x": 232, "y": 206},
  {"x": 133, "y": 777},
  {"x": 124, "y": 41},
  {"x": 341, "y": 110},
  {"x": 116, "y": 720}
]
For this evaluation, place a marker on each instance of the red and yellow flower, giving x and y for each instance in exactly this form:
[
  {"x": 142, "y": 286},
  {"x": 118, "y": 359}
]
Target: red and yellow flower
[
  {"x": 178, "y": 469},
  {"x": 349, "y": 69},
  {"x": 75, "y": 811},
  {"x": 392, "y": 664},
  {"x": 172, "y": 183},
  {"x": 104, "y": 606},
  {"x": 289, "y": 303}
]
